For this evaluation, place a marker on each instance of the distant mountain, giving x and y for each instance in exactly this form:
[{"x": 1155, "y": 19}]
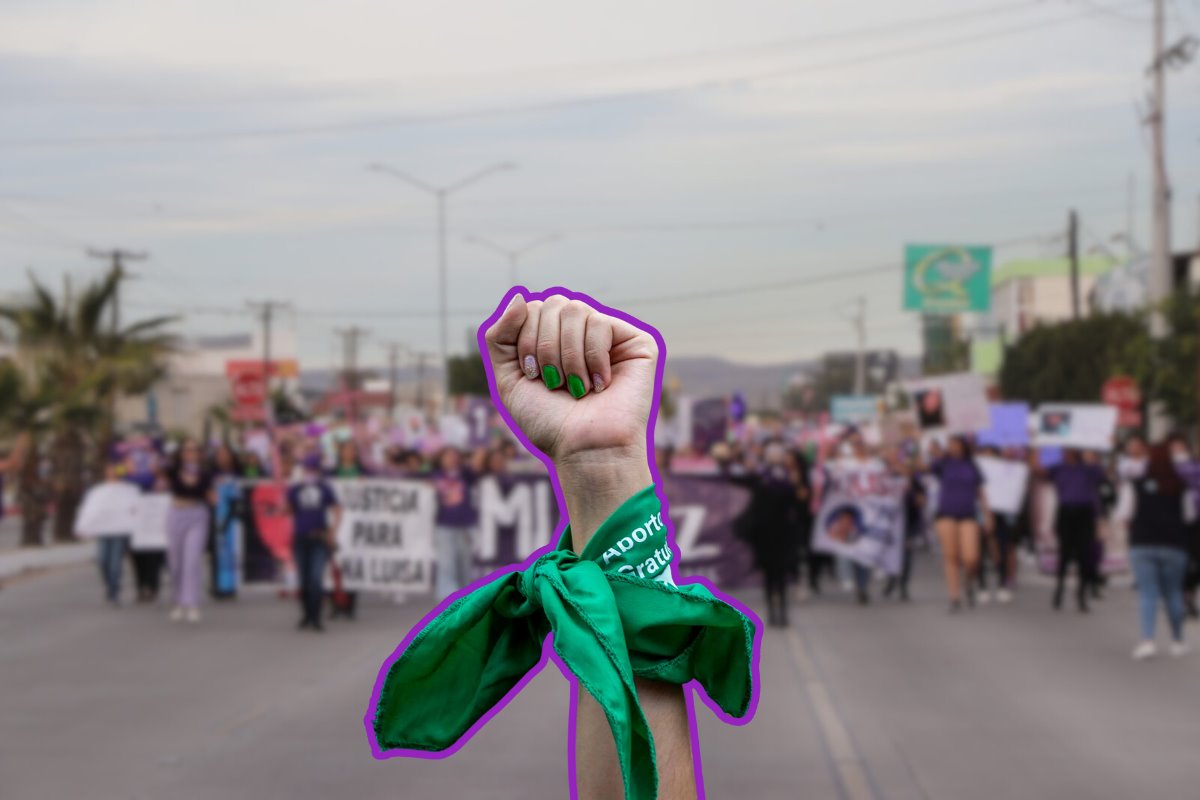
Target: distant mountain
[{"x": 697, "y": 376}]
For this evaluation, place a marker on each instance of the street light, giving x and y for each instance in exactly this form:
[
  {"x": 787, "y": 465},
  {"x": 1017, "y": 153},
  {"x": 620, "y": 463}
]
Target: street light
[
  {"x": 513, "y": 254},
  {"x": 440, "y": 193}
]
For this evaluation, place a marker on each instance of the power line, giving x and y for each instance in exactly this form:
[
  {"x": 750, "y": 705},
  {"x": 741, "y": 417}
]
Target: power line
[{"x": 384, "y": 122}]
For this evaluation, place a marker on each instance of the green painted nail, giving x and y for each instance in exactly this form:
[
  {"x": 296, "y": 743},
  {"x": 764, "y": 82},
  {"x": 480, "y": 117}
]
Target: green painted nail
[
  {"x": 575, "y": 386},
  {"x": 551, "y": 377}
]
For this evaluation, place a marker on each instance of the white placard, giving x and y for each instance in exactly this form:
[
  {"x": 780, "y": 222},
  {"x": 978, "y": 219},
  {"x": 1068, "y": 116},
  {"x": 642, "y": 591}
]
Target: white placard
[
  {"x": 150, "y": 532},
  {"x": 108, "y": 509},
  {"x": 1004, "y": 483},
  {"x": 385, "y": 539},
  {"x": 950, "y": 403},
  {"x": 1089, "y": 426}
]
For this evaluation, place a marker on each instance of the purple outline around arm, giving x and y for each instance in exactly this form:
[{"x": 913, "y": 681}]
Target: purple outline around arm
[{"x": 547, "y": 650}]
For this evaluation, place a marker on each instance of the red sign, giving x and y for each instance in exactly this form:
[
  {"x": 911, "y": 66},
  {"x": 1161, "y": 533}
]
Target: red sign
[
  {"x": 248, "y": 388},
  {"x": 1123, "y": 393}
]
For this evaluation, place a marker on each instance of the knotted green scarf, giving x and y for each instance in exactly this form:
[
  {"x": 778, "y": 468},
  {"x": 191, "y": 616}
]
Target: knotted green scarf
[{"x": 609, "y": 626}]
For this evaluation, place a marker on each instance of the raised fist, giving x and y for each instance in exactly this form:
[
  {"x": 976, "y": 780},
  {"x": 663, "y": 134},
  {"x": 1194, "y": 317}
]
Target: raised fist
[{"x": 578, "y": 382}]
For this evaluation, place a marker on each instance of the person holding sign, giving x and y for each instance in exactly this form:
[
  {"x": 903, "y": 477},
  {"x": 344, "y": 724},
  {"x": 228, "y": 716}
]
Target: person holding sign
[
  {"x": 108, "y": 515},
  {"x": 315, "y": 516},
  {"x": 579, "y": 386},
  {"x": 960, "y": 497}
]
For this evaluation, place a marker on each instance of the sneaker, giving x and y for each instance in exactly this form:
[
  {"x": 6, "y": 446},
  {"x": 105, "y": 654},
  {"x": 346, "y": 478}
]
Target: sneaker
[
  {"x": 984, "y": 597},
  {"x": 1144, "y": 650},
  {"x": 1004, "y": 596},
  {"x": 176, "y": 614},
  {"x": 192, "y": 615},
  {"x": 1178, "y": 649}
]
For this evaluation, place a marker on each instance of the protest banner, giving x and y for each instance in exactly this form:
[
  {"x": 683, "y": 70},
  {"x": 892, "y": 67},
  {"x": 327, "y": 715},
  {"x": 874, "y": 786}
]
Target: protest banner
[
  {"x": 108, "y": 509},
  {"x": 1089, "y": 426},
  {"x": 1008, "y": 426},
  {"x": 710, "y": 421},
  {"x": 867, "y": 528},
  {"x": 267, "y": 536},
  {"x": 150, "y": 526},
  {"x": 1005, "y": 483},
  {"x": 950, "y": 404},
  {"x": 385, "y": 539},
  {"x": 517, "y": 515}
]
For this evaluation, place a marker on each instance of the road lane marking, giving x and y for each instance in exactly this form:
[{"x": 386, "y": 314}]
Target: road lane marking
[{"x": 851, "y": 771}]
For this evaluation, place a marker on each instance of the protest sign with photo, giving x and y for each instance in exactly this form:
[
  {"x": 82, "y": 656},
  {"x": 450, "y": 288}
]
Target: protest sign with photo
[
  {"x": 866, "y": 528},
  {"x": 1085, "y": 426},
  {"x": 950, "y": 403},
  {"x": 1005, "y": 482},
  {"x": 385, "y": 539}
]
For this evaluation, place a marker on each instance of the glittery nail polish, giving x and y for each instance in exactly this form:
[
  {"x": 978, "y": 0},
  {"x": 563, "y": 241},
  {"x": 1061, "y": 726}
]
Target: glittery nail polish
[
  {"x": 597, "y": 382},
  {"x": 529, "y": 364}
]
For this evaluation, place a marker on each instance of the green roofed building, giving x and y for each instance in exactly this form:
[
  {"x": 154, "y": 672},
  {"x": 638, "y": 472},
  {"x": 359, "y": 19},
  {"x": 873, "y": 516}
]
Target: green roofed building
[{"x": 1026, "y": 292}]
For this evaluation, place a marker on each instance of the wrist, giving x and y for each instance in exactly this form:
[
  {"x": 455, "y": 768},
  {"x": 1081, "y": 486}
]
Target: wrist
[{"x": 595, "y": 483}]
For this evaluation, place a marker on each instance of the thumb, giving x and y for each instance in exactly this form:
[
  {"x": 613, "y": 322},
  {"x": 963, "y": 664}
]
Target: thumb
[{"x": 501, "y": 338}]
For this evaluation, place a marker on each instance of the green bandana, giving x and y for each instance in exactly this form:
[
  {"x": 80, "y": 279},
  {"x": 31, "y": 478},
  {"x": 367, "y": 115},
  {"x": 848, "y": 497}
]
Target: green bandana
[{"x": 615, "y": 615}]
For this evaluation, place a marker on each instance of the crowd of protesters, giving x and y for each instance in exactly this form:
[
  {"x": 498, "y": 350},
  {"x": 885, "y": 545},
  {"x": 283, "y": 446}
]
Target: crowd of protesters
[
  {"x": 194, "y": 477},
  {"x": 1155, "y": 490}
]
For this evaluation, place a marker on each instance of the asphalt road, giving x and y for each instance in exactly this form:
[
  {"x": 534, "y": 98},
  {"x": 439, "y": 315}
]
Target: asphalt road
[{"x": 886, "y": 702}]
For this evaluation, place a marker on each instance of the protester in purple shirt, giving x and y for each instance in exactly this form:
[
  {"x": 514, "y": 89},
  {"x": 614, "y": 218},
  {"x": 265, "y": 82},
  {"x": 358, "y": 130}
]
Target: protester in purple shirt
[
  {"x": 1189, "y": 471},
  {"x": 315, "y": 516},
  {"x": 1077, "y": 485},
  {"x": 960, "y": 490},
  {"x": 457, "y": 517}
]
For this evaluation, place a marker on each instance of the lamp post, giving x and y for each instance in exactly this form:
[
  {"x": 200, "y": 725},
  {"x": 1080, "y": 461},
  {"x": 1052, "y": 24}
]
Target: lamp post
[
  {"x": 440, "y": 194},
  {"x": 513, "y": 254}
]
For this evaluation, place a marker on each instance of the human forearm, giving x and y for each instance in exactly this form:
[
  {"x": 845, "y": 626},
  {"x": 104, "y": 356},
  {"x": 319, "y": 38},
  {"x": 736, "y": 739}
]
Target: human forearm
[{"x": 595, "y": 484}]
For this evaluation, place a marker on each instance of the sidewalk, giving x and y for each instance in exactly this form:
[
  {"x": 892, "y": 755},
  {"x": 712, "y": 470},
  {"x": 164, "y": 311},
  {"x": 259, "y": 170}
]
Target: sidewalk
[{"x": 15, "y": 559}]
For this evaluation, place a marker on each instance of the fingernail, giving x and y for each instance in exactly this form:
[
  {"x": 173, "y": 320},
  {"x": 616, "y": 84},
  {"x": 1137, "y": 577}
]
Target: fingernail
[
  {"x": 551, "y": 377},
  {"x": 529, "y": 364},
  {"x": 575, "y": 386},
  {"x": 597, "y": 382}
]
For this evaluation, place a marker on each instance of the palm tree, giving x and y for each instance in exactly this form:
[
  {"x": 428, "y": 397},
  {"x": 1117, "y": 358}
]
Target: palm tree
[{"x": 73, "y": 367}]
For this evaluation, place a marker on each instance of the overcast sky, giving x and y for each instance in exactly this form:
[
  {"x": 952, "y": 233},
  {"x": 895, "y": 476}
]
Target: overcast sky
[{"x": 678, "y": 146}]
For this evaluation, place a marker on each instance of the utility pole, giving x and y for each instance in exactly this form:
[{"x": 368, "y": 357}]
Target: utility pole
[
  {"x": 393, "y": 353},
  {"x": 1160, "y": 237},
  {"x": 1161, "y": 279},
  {"x": 265, "y": 311},
  {"x": 860, "y": 361},
  {"x": 1073, "y": 257},
  {"x": 350, "y": 341},
  {"x": 440, "y": 194},
  {"x": 118, "y": 257}
]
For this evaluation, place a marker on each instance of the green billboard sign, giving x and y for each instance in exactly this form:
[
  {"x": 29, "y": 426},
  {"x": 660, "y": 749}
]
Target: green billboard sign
[{"x": 947, "y": 278}]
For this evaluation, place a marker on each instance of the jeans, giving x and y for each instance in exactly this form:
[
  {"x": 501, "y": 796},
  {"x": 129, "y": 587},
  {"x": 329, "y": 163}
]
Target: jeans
[
  {"x": 1159, "y": 575},
  {"x": 312, "y": 555},
  {"x": 453, "y": 546},
  {"x": 110, "y": 553}
]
